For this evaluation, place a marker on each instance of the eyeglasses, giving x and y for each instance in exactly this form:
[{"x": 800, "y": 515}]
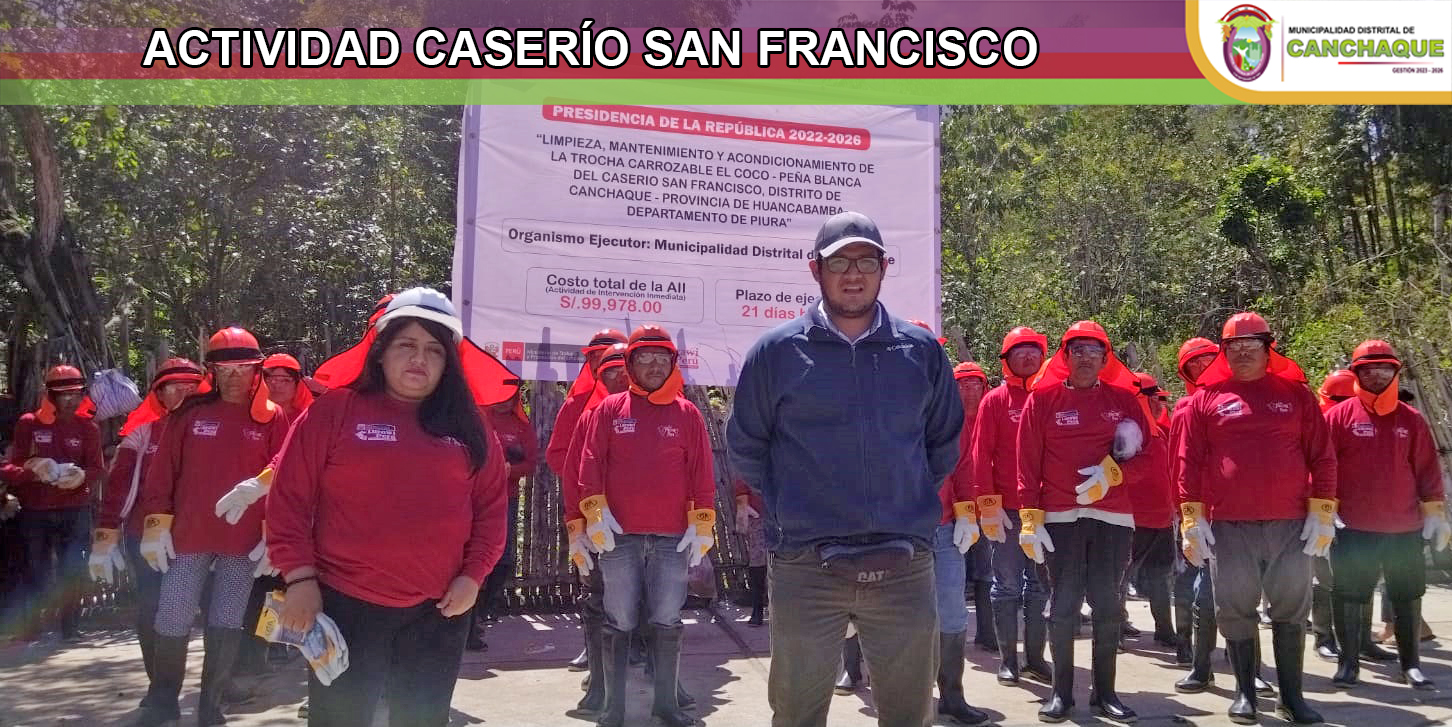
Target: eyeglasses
[
  {"x": 1244, "y": 345},
  {"x": 278, "y": 378},
  {"x": 1085, "y": 350},
  {"x": 864, "y": 265},
  {"x": 650, "y": 358}
]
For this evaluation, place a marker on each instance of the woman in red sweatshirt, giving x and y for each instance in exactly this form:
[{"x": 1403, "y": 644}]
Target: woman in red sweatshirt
[
  {"x": 210, "y": 442},
  {"x": 54, "y": 458},
  {"x": 386, "y": 512},
  {"x": 141, "y": 437},
  {"x": 646, "y": 475}
]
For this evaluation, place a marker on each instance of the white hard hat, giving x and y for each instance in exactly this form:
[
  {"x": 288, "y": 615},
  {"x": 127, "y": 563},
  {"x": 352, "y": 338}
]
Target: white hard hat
[{"x": 425, "y": 303}]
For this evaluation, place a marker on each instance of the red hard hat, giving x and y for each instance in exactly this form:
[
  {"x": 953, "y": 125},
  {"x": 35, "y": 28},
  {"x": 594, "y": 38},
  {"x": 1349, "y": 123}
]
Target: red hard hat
[
  {"x": 1245, "y": 325},
  {"x": 233, "y": 345},
  {"x": 282, "y": 361},
  {"x": 969, "y": 370},
  {"x": 64, "y": 378},
  {"x": 923, "y": 325},
  {"x": 1087, "y": 329},
  {"x": 380, "y": 308},
  {"x": 1195, "y": 347},
  {"x": 177, "y": 369},
  {"x": 1340, "y": 384},
  {"x": 614, "y": 356},
  {"x": 1374, "y": 351},
  {"x": 1021, "y": 335},
  {"x": 603, "y": 338},
  {"x": 649, "y": 335}
]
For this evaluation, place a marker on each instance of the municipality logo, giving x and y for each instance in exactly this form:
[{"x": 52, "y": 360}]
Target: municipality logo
[{"x": 1246, "y": 35}]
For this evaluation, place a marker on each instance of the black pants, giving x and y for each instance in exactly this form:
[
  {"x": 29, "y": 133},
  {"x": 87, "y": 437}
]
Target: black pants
[
  {"x": 1088, "y": 560},
  {"x": 412, "y": 652},
  {"x": 1359, "y": 558},
  {"x": 60, "y": 536},
  {"x": 1152, "y": 557}
]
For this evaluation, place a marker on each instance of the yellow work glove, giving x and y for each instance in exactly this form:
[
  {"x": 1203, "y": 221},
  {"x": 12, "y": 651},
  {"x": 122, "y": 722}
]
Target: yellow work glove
[
  {"x": 1101, "y": 477},
  {"x": 600, "y": 524},
  {"x": 1435, "y": 528},
  {"x": 1320, "y": 527},
  {"x": 156, "y": 545},
  {"x": 965, "y": 525},
  {"x": 579, "y": 546},
  {"x": 992, "y": 520},
  {"x": 700, "y": 534},
  {"x": 106, "y": 557},
  {"x": 1032, "y": 536},
  {"x": 1195, "y": 536}
]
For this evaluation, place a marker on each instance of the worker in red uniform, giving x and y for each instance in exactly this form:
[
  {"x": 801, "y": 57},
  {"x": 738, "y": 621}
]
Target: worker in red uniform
[
  {"x": 1257, "y": 484},
  {"x": 1338, "y": 386},
  {"x": 956, "y": 536},
  {"x": 1390, "y": 487},
  {"x": 55, "y": 457},
  {"x": 285, "y": 387},
  {"x": 1017, "y": 583},
  {"x": 210, "y": 443},
  {"x": 653, "y": 434},
  {"x": 118, "y": 522},
  {"x": 521, "y": 452},
  {"x": 386, "y": 514},
  {"x": 1151, "y": 497},
  {"x": 1081, "y": 420},
  {"x": 749, "y": 507}
]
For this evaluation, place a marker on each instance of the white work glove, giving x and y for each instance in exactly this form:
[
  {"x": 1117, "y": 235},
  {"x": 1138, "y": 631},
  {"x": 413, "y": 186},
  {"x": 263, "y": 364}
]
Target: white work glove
[
  {"x": 579, "y": 546},
  {"x": 700, "y": 534},
  {"x": 965, "y": 525},
  {"x": 993, "y": 522},
  {"x": 106, "y": 558},
  {"x": 744, "y": 514},
  {"x": 156, "y": 545},
  {"x": 1099, "y": 479},
  {"x": 1195, "y": 536},
  {"x": 331, "y": 668},
  {"x": 235, "y": 502},
  {"x": 1435, "y": 528},
  {"x": 264, "y": 563},
  {"x": 1320, "y": 527},
  {"x": 600, "y": 524},
  {"x": 1128, "y": 440},
  {"x": 9, "y": 507},
  {"x": 45, "y": 469},
  {"x": 69, "y": 477},
  {"x": 1033, "y": 537}
]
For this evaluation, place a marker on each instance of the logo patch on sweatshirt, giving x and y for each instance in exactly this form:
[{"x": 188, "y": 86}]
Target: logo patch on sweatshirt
[
  {"x": 205, "y": 429},
  {"x": 73, "y": 443},
  {"x": 1363, "y": 429},
  {"x": 668, "y": 432},
  {"x": 1403, "y": 433},
  {"x": 1068, "y": 418},
  {"x": 42, "y": 436},
  {"x": 1279, "y": 407},
  {"x": 252, "y": 435},
  {"x": 1113, "y": 415},
  {"x": 375, "y": 433},
  {"x": 1014, "y": 415},
  {"x": 1230, "y": 409},
  {"x": 624, "y": 426}
]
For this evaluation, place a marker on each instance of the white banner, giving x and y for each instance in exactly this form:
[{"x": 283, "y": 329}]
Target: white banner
[{"x": 574, "y": 218}]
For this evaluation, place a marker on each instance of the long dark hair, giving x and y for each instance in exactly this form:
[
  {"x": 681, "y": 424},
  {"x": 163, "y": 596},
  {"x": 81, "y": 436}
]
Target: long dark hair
[{"x": 450, "y": 410}]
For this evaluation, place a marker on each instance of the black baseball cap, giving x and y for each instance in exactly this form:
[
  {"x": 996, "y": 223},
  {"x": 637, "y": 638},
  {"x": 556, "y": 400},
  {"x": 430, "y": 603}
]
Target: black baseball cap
[{"x": 847, "y": 228}]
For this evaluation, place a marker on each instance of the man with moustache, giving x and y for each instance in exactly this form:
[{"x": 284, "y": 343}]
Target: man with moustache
[{"x": 847, "y": 420}]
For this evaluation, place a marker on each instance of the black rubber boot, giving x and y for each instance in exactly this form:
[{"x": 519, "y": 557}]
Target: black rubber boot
[
  {"x": 683, "y": 698},
  {"x": 985, "y": 633},
  {"x": 665, "y": 648},
  {"x": 217, "y": 663},
  {"x": 1035, "y": 636},
  {"x": 1369, "y": 649},
  {"x": 146, "y": 636},
  {"x": 1409, "y": 622},
  {"x": 1347, "y": 622},
  {"x": 1104, "y": 652},
  {"x": 1243, "y": 710},
  {"x": 615, "y": 666},
  {"x": 1324, "y": 604},
  {"x": 1184, "y": 652},
  {"x": 1200, "y": 677},
  {"x": 1288, "y": 642},
  {"x": 592, "y": 622},
  {"x": 951, "y": 703},
  {"x": 1262, "y": 687},
  {"x": 1159, "y": 601},
  {"x": 1061, "y": 643},
  {"x": 582, "y": 661},
  {"x": 1005, "y": 623},
  {"x": 851, "y": 677},
  {"x": 169, "y": 668},
  {"x": 756, "y": 584}
]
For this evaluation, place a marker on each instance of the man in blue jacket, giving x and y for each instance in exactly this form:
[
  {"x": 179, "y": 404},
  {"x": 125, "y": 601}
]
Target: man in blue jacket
[{"x": 846, "y": 421}]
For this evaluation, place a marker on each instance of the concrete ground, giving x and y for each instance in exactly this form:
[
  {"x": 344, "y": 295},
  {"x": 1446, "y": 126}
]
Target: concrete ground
[{"x": 521, "y": 681}]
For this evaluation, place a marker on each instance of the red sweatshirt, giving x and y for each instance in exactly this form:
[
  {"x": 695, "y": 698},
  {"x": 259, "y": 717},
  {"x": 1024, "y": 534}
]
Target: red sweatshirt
[
  {"x": 206, "y": 449},
  {"x": 512, "y": 432},
  {"x": 566, "y": 421},
  {"x": 1386, "y": 466},
  {"x": 739, "y": 488},
  {"x": 959, "y": 485},
  {"x": 653, "y": 462},
  {"x": 386, "y": 512},
  {"x": 75, "y": 440},
  {"x": 1063, "y": 430},
  {"x": 1151, "y": 495},
  {"x": 994, "y": 451},
  {"x": 570, "y": 495},
  {"x": 1178, "y": 424},
  {"x": 134, "y": 453},
  {"x": 1251, "y": 448}
]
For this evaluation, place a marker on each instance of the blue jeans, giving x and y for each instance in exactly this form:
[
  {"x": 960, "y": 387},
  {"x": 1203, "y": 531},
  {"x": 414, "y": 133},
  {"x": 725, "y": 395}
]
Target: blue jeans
[
  {"x": 950, "y": 576},
  {"x": 649, "y": 564},
  {"x": 1015, "y": 577},
  {"x": 64, "y": 535}
]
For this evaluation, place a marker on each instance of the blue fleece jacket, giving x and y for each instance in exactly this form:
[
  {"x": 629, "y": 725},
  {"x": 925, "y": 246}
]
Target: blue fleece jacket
[{"x": 846, "y": 442}]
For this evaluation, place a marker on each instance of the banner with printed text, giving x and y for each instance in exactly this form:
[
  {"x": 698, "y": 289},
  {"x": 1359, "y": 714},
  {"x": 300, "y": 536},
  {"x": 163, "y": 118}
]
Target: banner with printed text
[{"x": 574, "y": 218}]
